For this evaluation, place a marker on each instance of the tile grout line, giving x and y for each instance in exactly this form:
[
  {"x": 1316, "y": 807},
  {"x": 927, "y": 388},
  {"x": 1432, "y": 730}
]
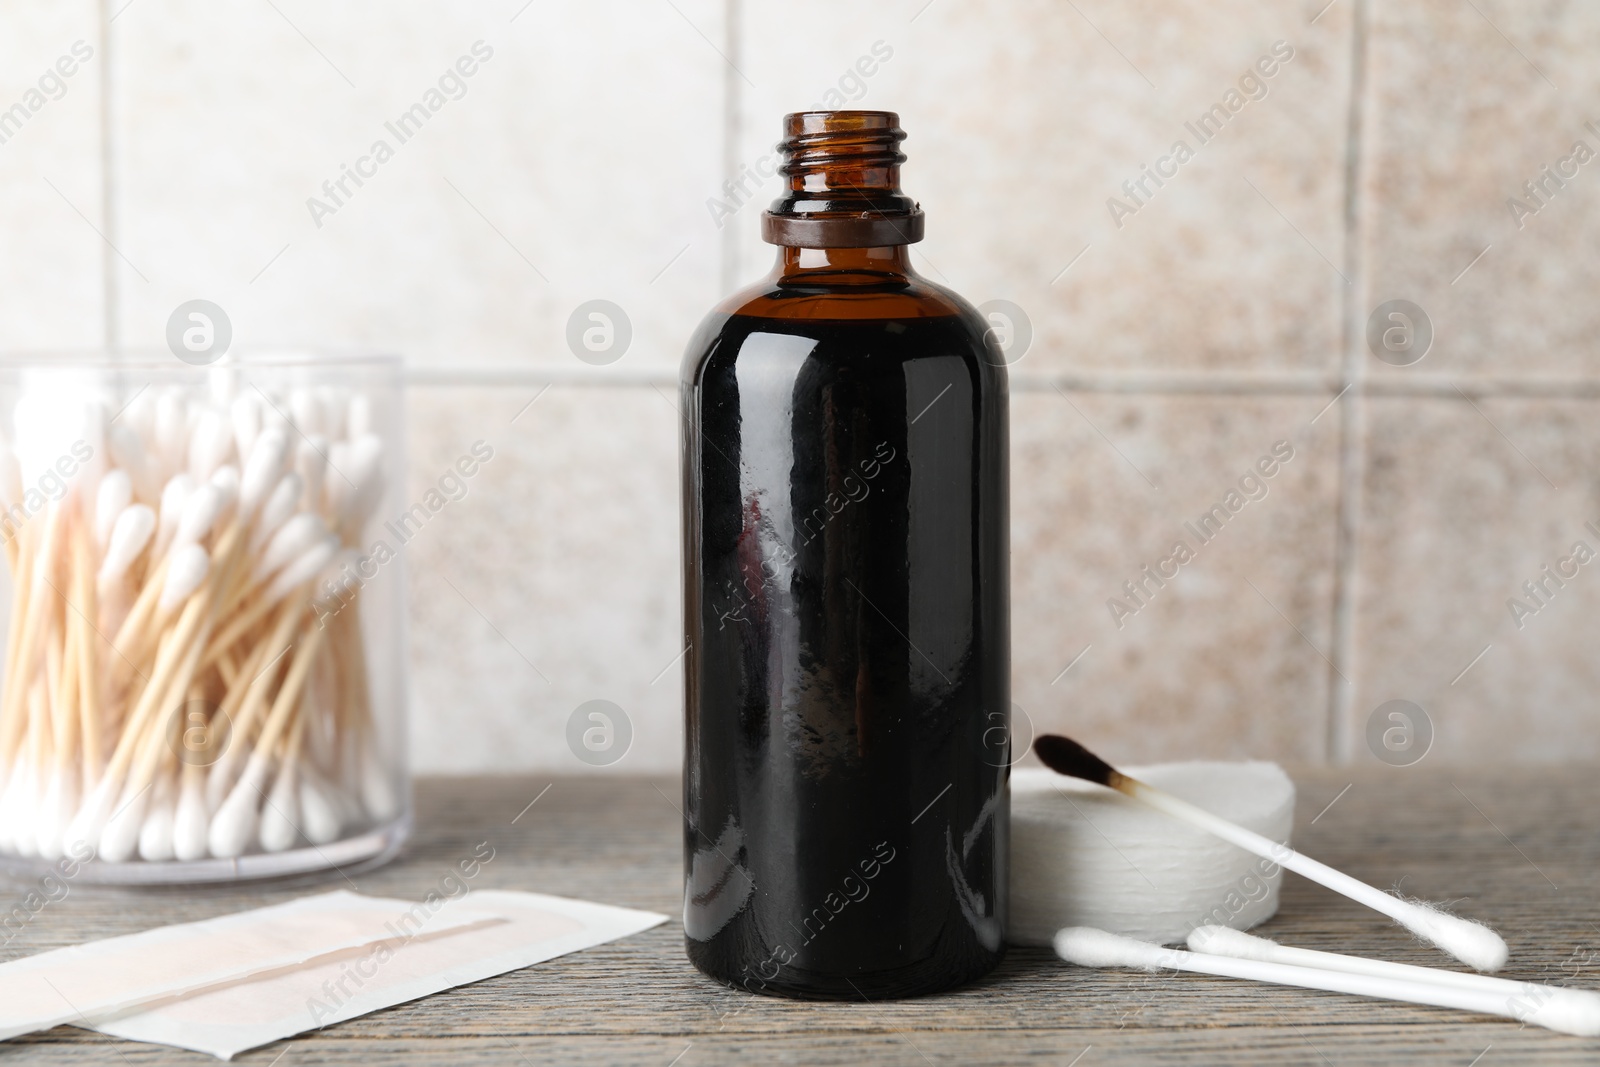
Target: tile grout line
[
  {"x": 732, "y": 106},
  {"x": 1352, "y": 414},
  {"x": 109, "y": 325},
  {"x": 1175, "y": 383}
]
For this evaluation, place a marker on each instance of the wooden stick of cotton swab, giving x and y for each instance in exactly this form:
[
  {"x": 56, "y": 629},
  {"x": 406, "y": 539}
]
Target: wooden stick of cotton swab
[
  {"x": 1470, "y": 942},
  {"x": 1568, "y": 1011}
]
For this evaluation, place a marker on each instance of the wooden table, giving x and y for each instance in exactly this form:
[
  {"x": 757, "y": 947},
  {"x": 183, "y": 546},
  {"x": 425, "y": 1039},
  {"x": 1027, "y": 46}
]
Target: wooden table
[{"x": 1517, "y": 849}]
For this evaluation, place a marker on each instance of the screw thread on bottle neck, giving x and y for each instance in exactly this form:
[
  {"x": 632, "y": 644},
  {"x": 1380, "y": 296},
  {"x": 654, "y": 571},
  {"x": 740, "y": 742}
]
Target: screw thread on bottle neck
[{"x": 843, "y": 175}]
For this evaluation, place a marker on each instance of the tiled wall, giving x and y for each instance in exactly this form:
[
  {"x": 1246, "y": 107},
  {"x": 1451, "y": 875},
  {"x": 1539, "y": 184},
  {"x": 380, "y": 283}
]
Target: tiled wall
[{"x": 1173, "y": 344}]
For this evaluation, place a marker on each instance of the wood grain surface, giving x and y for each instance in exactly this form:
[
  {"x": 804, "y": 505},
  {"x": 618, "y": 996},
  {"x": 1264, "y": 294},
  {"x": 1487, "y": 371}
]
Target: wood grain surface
[{"x": 1518, "y": 849}]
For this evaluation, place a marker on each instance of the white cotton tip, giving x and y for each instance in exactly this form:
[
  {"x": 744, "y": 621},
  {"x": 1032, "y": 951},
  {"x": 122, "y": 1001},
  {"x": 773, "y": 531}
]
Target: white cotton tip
[
  {"x": 87, "y": 825},
  {"x": 191, "y": 821},
  {"x": 280, "y": 815},
  {"x": 1088, "y": 947},
  {"x": 306, "y": 410},
  {"x": 335, "y": 400},
  {"x": 304, "y": 569},
  {"x": 275, "y": 416},
  {"x": 139, "y": 414},
  {"x": 378, "y": 794},
  {"x": 1470, "y": 942},
  {"x": 358, "y": 417},
  {"x": 189, "y": 566},
  {"x": 119, "y": 840},
  {"x": 10, "y": 479},
  {"x": 174, "y": 495},
  {"x": 226, "y": 480},
  {"x": 129, "y": 453},
  {"x": 220, "y": 778},
  {"x": 278, "y": 509},
  {"x": 223, "y": 380},
  {"x": 116, "y": 493},
  {"x": 1226, "y": 941},
  {"x": 201, "y": 511},
  {"x": 55, "y": 812},
  {"x": 337, "y": 582},
  {"x": 24, "y": 810},
  {"x": 96, "y": 421},
  {"x": 10, "y": 827},
  {"x": 337, "y": 484},
  {"x": 311, "y": 462},
  {"x": 319, "y": 814},
  {"x": 234, "y": 824},
  {"x": 129, "y": 534},
  {"x": 262, "y": 469},
  {"x": 1566, "y": 1011},
  {"x": 211, "y": 445},
  {"x": 366, "y": 472},
  {"x": 290, "y": 542},
  {"x": 245, "y": 413},
  {"x": 172, "y": 431},
  {"x": 156, "y": 835}
]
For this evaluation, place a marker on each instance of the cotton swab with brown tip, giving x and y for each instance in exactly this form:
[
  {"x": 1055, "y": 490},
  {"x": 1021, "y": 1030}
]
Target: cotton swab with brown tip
[{"x": 1470, "y": 942}]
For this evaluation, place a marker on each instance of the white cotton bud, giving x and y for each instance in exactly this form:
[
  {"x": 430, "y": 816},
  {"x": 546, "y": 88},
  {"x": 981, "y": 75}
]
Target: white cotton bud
[
  {"x": 171, "y": 431},
  {"x": 304, "y": 569},
  {"x": 129, "y": 535},
  {"x": 280, "y": 506},
  {"x": 306, "y": 411},
  {"x": 128, "y": 452},
  {"x": 189, "y": 566},
  {"x": 116, "y": 493},
  {"x": 292, "y": 540},
  {"x": 245, "y": 414},
  {"x": 200, "y": 514},
  {"x": 10, "y": 479},
  {"x": 358, "y": 420},
  {"x": 263, "y": 469},
  {"x": 335, "y": 402},
  {"x": 173, "y": 499},
  {"x": 211, "y": 445},
  {"x": 311, "y": 461}
]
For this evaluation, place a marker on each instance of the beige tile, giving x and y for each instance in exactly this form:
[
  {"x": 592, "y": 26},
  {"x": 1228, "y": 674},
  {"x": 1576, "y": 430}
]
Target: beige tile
[
  {"x": 1461, "y": 116},
  {"x": 1024, "y": 119},
  {"x": 1459, "y": 514},
  {"x": 51, "y": 290},
  {"x": 553, "y": 581},
  {"x": 571, "y": 169},
  {"x": 565, "y": 552},
  {"x": 1212, "y": 665}
]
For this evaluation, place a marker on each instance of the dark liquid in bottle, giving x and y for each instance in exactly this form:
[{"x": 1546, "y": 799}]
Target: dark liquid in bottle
[{"x": 848, "y": 692}]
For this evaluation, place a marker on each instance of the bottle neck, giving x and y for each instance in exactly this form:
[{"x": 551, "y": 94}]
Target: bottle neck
[
  {"x": 845, "y": 266},
  {"x": 842, "y": 172}
]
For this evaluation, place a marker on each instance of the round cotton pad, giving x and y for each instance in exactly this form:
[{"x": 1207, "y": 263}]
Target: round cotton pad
[{"x": 1083, "y": 855}]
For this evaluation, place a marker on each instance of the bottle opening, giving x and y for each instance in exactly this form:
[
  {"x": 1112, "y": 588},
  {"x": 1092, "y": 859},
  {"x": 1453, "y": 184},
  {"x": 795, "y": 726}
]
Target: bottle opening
[{"x": 843, "y": 175}]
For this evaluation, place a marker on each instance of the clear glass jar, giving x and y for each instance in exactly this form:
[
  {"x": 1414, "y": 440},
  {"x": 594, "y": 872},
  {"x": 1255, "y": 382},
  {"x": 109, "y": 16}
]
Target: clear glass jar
[{"x": 205, "y": 616}]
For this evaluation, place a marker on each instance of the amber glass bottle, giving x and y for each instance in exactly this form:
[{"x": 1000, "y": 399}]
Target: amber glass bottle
[{"x": 845, "y": 601}]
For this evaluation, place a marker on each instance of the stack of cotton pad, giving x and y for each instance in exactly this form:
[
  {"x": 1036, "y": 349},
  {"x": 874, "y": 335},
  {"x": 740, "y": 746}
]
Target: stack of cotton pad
[{"x": 1082, "y": 855}]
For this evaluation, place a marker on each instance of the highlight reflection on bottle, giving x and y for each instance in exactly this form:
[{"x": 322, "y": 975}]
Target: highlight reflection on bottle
[{"x": 846, "y": 599}]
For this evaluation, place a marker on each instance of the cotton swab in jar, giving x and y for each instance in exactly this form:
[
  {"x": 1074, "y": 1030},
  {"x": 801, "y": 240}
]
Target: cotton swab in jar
[
  {"x": 115, "y": 495},
  {"x": 1473, "y": 943},
  {"x": 235, "y": 821},
  {"x": 156, "y": 835},
  {"x": 192, "y": 818},
  {"x": 199, "y": 548},
  {"x": 1567, "y": 1011},
  {"x": 280, "y": 505}
]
